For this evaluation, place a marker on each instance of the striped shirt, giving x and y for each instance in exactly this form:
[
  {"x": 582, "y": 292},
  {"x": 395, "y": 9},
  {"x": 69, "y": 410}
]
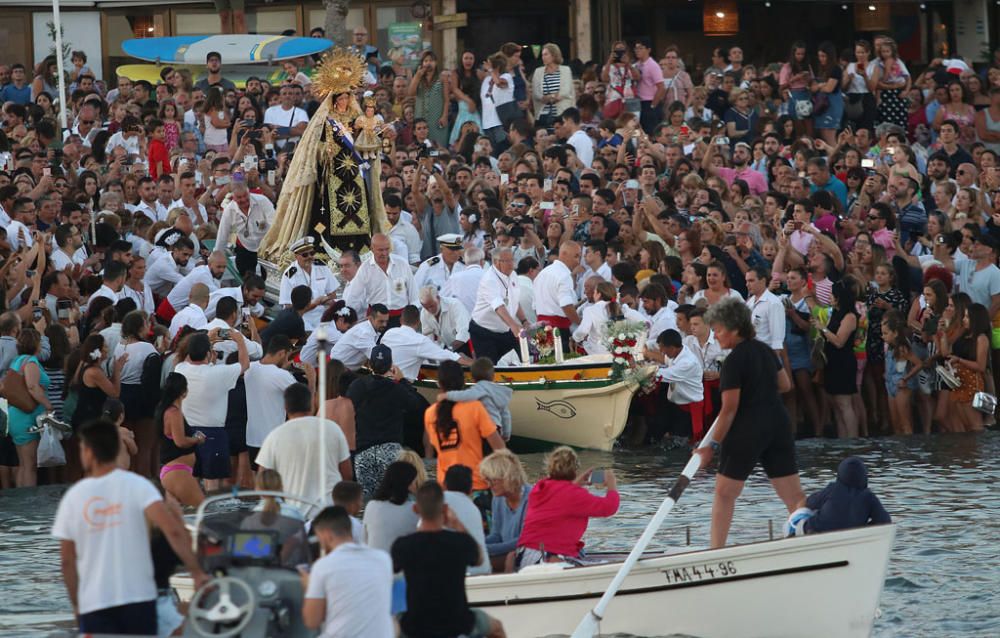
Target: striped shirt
[{"x": 550, "y": 86}]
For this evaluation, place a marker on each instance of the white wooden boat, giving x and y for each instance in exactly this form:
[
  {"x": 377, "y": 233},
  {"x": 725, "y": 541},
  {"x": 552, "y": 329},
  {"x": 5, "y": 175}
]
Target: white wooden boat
[
  {"x": 825, "y": 585},
  {"x": 574, "y": 403}
]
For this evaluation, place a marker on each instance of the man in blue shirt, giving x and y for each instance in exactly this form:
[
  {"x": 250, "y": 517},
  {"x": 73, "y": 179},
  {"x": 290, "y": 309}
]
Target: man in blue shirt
[
  {"x": 820, "y": 179},
  {"x": 18, "y": 91}
]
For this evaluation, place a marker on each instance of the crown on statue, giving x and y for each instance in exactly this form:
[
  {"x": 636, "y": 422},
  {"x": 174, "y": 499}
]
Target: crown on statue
[{"x": 340, "y": 71}]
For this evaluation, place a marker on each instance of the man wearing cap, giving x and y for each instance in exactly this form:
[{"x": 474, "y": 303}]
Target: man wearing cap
[
  {"x": 385, "y": 279},
  {"x": 213, "y": 64},
  {"x": 742, "y": 169},
  {"x": 410, "y": 348},
  {"x": 444, "y": 319},
  {"x": 305, "y": 272},
  {"x": 436, "y": 270},
  {"x": 555, "y": 293},
  {"x": 248, "y": 216},
  {"x": 497, "y": 315},
  {"x": 354, "y": 346}
]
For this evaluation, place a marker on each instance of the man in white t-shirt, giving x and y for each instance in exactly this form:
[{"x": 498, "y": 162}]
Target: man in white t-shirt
[
  {"x": 205, "y": 406},
  {"x": 266, "y": 382},
  {"x": 291, "y": 449},
  {"x": 287, "y": 120},
  {"x": 103, "y": 529},
  {"x": 349, "y": 590},
  {"x": 577, "y": 137}
]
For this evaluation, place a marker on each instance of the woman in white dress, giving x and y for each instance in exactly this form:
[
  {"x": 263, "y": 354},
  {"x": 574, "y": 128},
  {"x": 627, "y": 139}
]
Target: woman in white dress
[{"x": 593, "y": 323}]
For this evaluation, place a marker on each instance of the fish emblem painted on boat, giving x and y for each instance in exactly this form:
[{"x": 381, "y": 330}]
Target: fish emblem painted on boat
[{"x": 560, "y": 408}]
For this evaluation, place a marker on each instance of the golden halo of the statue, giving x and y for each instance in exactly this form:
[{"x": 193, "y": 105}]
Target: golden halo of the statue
[{"x": 340, "y": 71}]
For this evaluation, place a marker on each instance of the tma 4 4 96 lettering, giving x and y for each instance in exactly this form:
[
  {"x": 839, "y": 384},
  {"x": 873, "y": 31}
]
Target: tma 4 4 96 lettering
[{"x": 695, "y": 573}]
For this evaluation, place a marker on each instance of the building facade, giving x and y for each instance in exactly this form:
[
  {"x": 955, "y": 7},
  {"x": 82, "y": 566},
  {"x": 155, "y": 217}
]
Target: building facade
[{"x": 584, "y": 29}]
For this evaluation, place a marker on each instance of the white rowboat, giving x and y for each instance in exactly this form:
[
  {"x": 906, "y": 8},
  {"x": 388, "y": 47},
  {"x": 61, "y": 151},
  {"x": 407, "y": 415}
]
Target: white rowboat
[{"x": 825, "y": 585}]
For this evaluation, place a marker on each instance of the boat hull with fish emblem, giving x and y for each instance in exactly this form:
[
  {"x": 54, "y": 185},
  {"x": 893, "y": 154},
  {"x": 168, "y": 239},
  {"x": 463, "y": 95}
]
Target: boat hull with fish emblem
[
  {"x": 576, "y": 403},
  {"x": 825, "y": 585}
]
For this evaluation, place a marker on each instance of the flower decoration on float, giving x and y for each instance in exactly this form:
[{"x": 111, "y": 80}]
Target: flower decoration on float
[{"x": 340, "y": 71}]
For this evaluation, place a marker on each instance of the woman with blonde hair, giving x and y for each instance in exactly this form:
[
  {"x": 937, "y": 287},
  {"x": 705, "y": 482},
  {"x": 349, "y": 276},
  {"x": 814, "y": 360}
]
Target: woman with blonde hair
[
  {"x": 559, "y": 508},
  {"x": 508, "y": 482},
  {"x": 270, "y": 481},
  {"x": 414, "y": 459},
  {"x": 551, "y": 86}
]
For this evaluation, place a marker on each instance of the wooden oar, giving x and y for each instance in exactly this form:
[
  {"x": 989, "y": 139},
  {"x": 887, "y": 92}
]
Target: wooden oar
[{"x": 590, "y": 624}]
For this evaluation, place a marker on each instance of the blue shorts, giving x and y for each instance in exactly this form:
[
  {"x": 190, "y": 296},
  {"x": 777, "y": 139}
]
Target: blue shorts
[
  {"x": 136, "y": 619},
  {"x": 212, "y": 456}
]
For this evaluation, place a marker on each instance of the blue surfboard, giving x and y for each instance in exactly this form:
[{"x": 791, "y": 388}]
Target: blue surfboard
[{"x": 235, "y": 49}]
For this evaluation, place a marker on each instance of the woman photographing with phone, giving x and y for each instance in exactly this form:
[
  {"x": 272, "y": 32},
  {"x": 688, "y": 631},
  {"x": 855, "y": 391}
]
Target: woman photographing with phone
[{"x": 559, "y": 509}]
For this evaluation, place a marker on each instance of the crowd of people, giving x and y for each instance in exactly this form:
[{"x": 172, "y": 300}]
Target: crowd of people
[
  {"x": 851, "y": 209},
  {"x": 852, "y": 206}
]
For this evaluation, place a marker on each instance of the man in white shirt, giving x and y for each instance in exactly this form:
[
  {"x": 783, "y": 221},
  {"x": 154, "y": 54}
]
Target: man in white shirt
[
  {"x": 248, "y": 216},
  {"x": 164, "y": 273},
  {"x": 193, "y": 314},
  {"x": 348, "y": 592},
  {"x": 286, "y": 120},
  {"x": 527, "y": 269},
  {"x": 660, "y": 310},
  {"x": 188, "y": 185},
  {"x": 402, "y": 231},
  {"x": 102, "y": 524},
  {"x": 497, "y": 316},
  {"x": 682, "y": 369},
  {"x": 248, "y": 297},
  {"x": 291, "y": 449},
  {"x": 576, "y": 137},
  {"x": 306, "y": 272},
  {"x": 23, "y": 215},
  {"x": 209, "y": 274},
  {"x": 354, "y": 346},
  {"x": 67, "y": 254},
  {"x": 555, "y": 291},
  {"x": 410, "y": 348},
  {"x": 205, "y": 406},
  {"x": 266, "y": 382},
  {"x": 114, "y": 279},
  {"x": 384, "y": 280},
  {"x": 593, "y": 257},
  {"x": 445, "y": 320},
  {"x": 464, "y": 285},
  {"x": 149, "y": 205},
  {"x": 766, "y": 310},
  {"x": 228, "y": 318}
]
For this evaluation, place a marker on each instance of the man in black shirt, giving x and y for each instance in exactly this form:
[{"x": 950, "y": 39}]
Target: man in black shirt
[
  {"x": 289, "y": 321},
  {"x": 948, "y": 136},
  {"x": 434, "y": 561}
]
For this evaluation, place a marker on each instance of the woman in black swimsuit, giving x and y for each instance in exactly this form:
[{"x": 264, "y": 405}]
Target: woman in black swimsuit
[{"x": 178, "y": 443}]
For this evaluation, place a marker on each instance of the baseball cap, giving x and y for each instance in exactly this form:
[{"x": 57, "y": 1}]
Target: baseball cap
[{"x": 380, "y": 359}]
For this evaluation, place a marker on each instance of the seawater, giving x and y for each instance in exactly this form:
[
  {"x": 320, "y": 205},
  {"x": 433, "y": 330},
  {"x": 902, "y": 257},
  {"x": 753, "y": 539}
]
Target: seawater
[{"x": 942, "y": 491}]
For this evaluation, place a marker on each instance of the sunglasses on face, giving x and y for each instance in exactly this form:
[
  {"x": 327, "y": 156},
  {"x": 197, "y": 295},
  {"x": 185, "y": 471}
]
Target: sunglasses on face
[{"x": 307, "y": 255}]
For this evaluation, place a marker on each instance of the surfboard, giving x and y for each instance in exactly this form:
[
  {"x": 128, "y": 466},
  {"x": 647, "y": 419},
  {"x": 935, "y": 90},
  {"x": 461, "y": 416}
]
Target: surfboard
[
  {"x": 235, "y": 49},
  {"x": 238, "y": 74}
]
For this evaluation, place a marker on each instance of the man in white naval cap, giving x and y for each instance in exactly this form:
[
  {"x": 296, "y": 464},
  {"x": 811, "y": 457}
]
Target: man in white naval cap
[
  {"x": 305, "y": 272},
  {"x": 436, "y": 270}
]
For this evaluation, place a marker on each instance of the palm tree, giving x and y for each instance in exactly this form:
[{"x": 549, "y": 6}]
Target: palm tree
[{"x": 335, "y": 23}]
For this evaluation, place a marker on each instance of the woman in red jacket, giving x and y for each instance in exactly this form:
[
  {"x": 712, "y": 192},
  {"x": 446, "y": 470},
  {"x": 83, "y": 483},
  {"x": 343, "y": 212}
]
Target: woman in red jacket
[{"x": 559, "y": 508}]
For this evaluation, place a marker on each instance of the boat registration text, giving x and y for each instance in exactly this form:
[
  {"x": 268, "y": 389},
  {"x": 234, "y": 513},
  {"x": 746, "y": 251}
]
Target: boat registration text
[{"x": 696, "y": 573}]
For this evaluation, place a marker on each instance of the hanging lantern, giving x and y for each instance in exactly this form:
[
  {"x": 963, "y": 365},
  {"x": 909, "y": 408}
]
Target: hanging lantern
[
  {"x": 872, "y": 16},
  {"x": 721, "y": 17}
]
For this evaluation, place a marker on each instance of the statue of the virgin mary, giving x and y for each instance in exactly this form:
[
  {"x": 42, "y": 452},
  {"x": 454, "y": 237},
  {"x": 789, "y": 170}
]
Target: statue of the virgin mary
[{"x": 331, "y": 191}]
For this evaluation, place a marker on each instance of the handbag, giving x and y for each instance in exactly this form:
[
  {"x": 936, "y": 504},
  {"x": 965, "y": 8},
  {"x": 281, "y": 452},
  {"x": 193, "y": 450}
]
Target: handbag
[
  {"x": 984, "y": 402},
  {"x": 15, "y": 390},
  {"x": 803, "y": 108},
  {"x": 613, "y": 109},
  {"x": 947, "y": 375},
  {"x": 854, "y": 108},
  {"x": 820, "y": 103},
  {"x": 508, "y": 112}
]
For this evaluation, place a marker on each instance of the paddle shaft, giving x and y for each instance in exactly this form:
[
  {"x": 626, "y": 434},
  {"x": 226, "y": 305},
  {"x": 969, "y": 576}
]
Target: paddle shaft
[
  {"x": 321, "y": 395},
  {"x": 588, "y": 625}
]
